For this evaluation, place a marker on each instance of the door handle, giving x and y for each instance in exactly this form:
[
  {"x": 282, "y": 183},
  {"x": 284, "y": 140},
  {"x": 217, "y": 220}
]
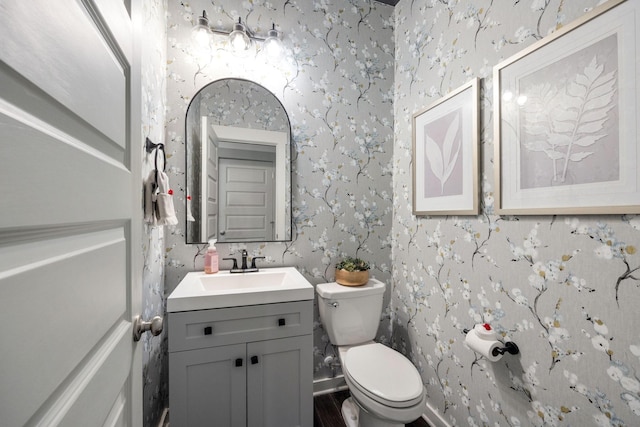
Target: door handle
[
  {"x": 140, "y": 326},
  {"x": 222, "y": 233}
]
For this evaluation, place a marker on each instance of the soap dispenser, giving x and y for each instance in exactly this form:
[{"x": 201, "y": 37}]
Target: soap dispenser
[{"x": 211, "y": 258}]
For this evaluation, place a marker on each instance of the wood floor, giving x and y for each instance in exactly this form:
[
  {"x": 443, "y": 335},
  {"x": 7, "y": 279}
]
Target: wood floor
[{"x": 326, "y": 411}]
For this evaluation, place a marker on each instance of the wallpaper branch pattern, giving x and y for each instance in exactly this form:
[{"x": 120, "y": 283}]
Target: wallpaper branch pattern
[
  {"x": 565, "y": 289},
  {"x": 335, "y": 80}
]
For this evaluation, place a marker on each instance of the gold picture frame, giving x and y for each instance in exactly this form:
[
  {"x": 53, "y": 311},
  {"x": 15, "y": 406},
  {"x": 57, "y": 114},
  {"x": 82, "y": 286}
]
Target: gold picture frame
[
  {"x": 445, "y": 139},
  {"x": 566, "y": 127}
]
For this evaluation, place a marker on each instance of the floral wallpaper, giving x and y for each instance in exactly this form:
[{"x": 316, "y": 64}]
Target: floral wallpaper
[
  {"x": 335, "y": 80},
  {"x": 241, "y": 103},
  {"x": 565, "y": 289},
  {"x": 154, "y": 368}
]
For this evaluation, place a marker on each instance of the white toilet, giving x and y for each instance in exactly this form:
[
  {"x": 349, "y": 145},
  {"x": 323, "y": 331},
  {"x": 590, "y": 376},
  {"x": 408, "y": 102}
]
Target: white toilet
[{"x": 386, "y": 389}]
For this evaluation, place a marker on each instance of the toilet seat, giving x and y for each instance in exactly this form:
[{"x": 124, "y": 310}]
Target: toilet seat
[{"x": 383, "y": 375}]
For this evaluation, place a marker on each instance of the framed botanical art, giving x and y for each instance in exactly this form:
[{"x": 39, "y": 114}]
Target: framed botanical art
[
  {"x": 566, "y": 124},
  {"x": 445, "y": 154}
]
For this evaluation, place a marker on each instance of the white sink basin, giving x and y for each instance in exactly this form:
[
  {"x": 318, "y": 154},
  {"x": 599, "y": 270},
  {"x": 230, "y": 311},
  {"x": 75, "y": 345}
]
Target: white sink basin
[
  {"x": 243, "y": 282},
  {"x": 200, "y": 291}
]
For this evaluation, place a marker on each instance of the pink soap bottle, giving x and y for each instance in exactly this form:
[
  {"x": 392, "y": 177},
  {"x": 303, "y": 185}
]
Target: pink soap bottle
[{"x": 211, "y": 258}]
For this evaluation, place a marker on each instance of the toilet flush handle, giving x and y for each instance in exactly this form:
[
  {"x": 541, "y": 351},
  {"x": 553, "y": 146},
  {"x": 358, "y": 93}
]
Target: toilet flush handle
[{"x": 334, "y": 304}]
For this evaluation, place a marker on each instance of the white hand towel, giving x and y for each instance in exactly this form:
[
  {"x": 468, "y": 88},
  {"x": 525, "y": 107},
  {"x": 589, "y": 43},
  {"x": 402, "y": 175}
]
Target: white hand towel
[
  {"x": 149, "y": 188},
  {"x": 166, "y": 211}
]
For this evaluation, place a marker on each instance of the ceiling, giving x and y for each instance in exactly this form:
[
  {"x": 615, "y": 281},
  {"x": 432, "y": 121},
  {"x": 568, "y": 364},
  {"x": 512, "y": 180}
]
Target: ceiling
[{"x": 391, "y": 2}]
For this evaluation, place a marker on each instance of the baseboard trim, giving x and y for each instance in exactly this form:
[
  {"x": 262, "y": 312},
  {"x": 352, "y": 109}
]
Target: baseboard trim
[
  {"x": 329, "y": 385},
  {"x": 163, "y": 418},
  {"x": 433, "y": 418}
]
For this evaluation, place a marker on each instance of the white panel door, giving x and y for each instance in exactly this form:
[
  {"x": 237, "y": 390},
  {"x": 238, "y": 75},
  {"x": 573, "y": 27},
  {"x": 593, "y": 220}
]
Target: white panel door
[
  {"x": 209, "y": 181},
  {"x": 246, "y": 201},
  {"x": 70, "y": 213}
]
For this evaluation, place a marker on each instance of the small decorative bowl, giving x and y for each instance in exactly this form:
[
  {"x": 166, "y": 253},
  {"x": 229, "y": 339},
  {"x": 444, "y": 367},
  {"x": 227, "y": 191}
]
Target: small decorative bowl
[{"x": 352, "y": 278}]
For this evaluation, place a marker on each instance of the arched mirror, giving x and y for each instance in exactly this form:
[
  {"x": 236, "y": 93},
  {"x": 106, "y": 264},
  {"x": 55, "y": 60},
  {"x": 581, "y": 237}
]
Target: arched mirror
[{"x": 238, "y": 172}]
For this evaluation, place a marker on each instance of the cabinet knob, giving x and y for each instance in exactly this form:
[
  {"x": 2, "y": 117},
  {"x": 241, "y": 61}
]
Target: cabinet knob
[
  {"x": 254, "y": 360},
  {"x": 208, "y": 330},
  {"x": 282, "y": 322},
  {"x": 238, "y": 362}
]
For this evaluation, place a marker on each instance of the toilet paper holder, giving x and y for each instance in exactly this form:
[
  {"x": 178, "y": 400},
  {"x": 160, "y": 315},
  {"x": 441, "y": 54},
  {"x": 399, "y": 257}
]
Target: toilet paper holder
[{"x": 509, "y": 347}]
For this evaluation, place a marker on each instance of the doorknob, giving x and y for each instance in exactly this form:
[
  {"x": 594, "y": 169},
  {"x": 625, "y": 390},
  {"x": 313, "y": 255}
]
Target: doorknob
[
  {"x": 222, "y": 233},
  {"x": 139, "y": 327}
]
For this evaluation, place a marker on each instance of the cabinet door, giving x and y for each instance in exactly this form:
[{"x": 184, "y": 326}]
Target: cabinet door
[
  {"x": 280, "y": 382},
  {"x": 207, "y": 388}
]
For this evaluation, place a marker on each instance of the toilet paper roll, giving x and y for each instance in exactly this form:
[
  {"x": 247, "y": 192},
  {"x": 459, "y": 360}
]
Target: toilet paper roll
[
  {"x": 485, "y": 332},
  {"x": 483, "y": 346}
]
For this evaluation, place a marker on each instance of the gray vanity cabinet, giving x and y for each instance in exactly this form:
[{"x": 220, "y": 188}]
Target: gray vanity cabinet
[
  {"x": 206, "y": 389},
  {"x": 242, "y": 366}
]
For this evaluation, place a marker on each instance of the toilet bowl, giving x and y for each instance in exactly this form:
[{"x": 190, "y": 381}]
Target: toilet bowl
[
  {"x": 386, "y": 388},
  {"x": 383, "y": 383}
]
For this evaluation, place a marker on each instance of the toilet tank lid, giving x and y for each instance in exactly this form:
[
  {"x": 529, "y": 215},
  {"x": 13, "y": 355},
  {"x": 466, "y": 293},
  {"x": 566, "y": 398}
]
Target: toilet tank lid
[{"x": 334, "y": 290}]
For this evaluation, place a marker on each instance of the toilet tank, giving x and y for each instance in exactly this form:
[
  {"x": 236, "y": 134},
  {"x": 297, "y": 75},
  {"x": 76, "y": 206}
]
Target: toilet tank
[{"x": 350, "y": 314}]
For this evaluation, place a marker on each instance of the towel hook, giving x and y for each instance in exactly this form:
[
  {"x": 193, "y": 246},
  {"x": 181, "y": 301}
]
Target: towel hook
[{"x": 149, "y": 147}]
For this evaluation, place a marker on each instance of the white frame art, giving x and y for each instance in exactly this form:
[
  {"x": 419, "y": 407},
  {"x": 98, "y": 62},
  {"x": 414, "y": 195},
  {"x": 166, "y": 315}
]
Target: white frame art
[
  {"x": 566, "y": 124},
  {"x": 445, "y": 154}
]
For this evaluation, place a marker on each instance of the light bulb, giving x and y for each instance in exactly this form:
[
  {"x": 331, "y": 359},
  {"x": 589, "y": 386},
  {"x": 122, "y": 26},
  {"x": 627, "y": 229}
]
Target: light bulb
[
  {"x": 272, "y": 44},
  {"x": 200, "y": 37},
  {"x": 201, "y": 33},
  {"x": 238, "y": 39}
]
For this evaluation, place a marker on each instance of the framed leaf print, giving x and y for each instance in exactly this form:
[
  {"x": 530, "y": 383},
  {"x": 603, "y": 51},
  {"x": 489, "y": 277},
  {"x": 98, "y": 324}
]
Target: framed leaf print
[
  {"x": 445, "y": 155},
  {"x": 566, "y": 122}
]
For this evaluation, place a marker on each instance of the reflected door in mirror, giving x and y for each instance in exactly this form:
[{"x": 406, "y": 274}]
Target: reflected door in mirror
[{"x": 246, "y": 201}]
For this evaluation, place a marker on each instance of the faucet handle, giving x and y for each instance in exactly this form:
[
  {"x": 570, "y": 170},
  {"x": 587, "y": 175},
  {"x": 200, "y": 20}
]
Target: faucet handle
[
  {"x": 235, "y": 262},
  {"x": 253, "y": 261}
]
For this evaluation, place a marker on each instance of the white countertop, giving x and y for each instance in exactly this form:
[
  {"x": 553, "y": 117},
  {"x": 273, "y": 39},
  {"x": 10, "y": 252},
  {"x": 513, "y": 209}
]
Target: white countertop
[{"x": 200, "y": 291}]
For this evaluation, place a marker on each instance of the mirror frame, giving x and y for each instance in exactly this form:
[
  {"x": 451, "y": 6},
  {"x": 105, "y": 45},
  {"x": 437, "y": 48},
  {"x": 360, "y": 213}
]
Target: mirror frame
[{"x": 290, "y": 153}]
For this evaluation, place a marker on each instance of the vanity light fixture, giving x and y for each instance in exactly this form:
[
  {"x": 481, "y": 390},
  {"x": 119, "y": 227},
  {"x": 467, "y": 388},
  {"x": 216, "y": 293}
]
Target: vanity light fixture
[
  {"x": 201, "y": 32},
  {"x": 240, "y": 38}
]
